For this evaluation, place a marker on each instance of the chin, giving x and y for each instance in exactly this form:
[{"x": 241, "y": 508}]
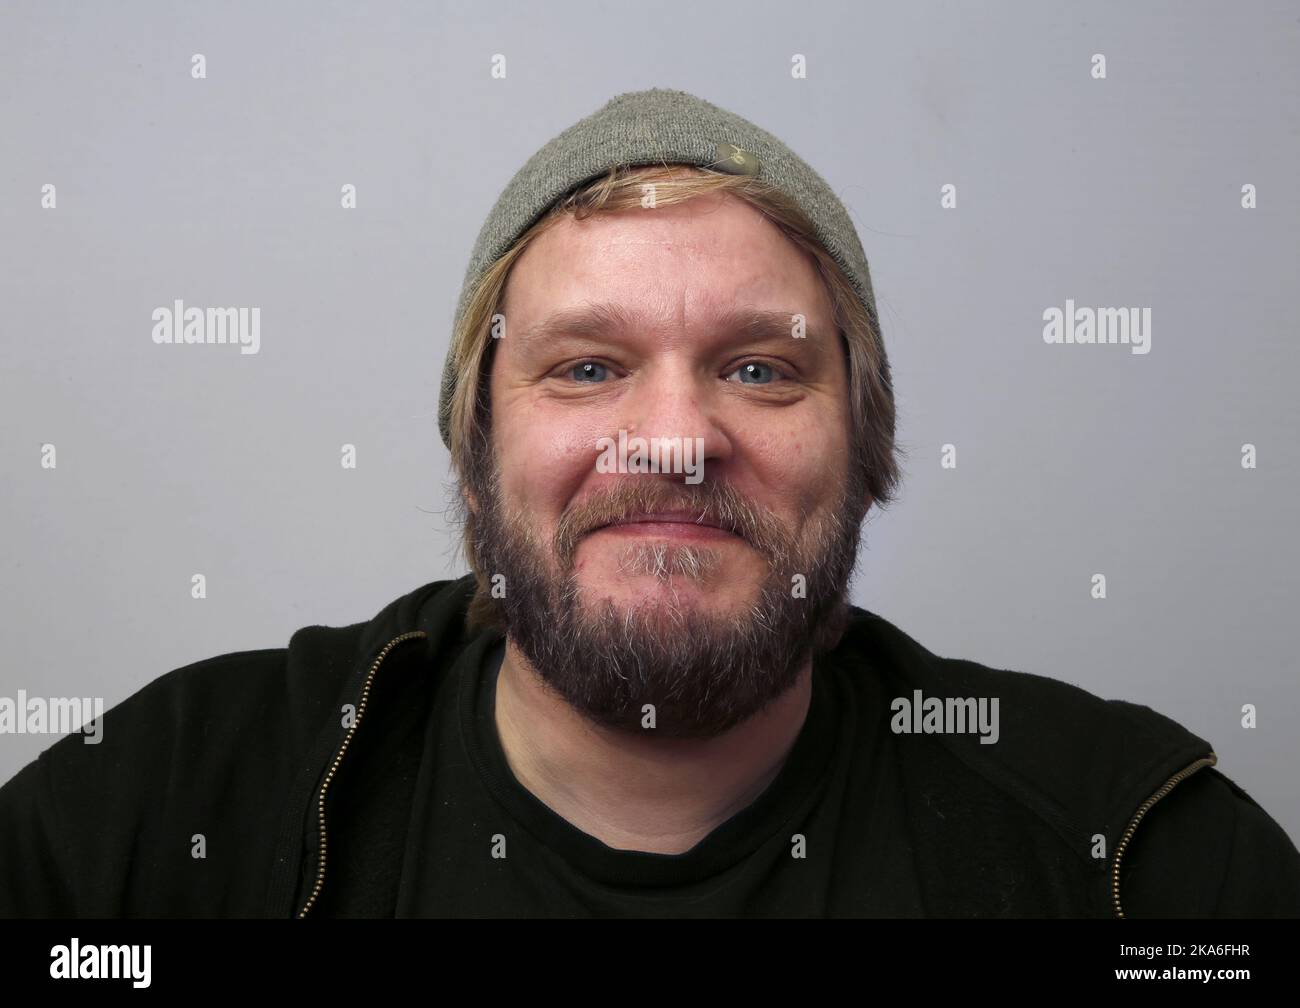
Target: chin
[{"x": 716, "y": 592}]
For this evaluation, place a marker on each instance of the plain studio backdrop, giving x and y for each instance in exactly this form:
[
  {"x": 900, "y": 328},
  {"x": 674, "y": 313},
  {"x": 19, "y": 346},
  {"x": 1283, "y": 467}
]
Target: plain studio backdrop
[{"x": 1072, "y": 460}]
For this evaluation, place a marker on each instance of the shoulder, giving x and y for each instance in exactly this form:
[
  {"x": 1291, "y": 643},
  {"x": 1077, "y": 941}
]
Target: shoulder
[
  {"x": 257, "y": 707},
  {"x": 1207, "y": 849},
  {"x": 1033, "y": 708},
  {"x": 181, "y": 716},
  {"x": 261, "y": 707},
  {"x": 1081, "y": 762},
  {"x": 120, "y": 797},
  {"x": 1186, "y": 840}
]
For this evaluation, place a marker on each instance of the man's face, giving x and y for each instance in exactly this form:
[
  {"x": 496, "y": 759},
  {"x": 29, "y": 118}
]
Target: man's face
[{"x": 633, "y": 324}]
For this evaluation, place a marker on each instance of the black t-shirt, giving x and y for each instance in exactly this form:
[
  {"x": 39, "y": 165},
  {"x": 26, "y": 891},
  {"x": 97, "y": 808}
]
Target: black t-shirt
[{"x": 824, "y": 839}]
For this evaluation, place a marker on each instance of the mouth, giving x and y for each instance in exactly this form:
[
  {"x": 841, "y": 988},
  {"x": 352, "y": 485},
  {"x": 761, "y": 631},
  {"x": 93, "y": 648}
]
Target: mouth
[{"x": 670, "y": 524}]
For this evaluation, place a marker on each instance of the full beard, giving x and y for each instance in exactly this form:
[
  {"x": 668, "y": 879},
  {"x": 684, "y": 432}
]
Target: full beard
[{"x": 703, "y": 672}]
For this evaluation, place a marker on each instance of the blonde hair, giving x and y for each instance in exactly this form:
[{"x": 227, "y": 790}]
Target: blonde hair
[{"x": 872, "y": 414}]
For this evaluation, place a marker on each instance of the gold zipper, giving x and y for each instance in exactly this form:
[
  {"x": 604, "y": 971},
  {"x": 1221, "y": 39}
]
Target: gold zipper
[
  {"x": 338, "y": 758},
  {"x": 1143, "y": 809}
]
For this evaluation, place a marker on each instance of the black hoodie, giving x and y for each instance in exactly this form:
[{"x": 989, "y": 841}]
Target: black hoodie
[{"x": 356, "y": 773}]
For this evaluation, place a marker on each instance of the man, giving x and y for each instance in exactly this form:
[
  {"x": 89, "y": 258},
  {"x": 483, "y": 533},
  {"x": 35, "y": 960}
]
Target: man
[{"x": 669, "y": 406}]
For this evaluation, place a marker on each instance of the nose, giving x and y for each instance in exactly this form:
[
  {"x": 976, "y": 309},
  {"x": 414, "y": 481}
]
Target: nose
[{"x": 673, "y": 399}]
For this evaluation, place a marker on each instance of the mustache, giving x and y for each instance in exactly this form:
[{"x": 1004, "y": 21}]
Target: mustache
[{"x": 717, "y": 504}]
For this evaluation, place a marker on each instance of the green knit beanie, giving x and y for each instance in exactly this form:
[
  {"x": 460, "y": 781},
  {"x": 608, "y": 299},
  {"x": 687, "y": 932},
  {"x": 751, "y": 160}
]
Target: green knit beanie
[{"x": 652, "y": 127}]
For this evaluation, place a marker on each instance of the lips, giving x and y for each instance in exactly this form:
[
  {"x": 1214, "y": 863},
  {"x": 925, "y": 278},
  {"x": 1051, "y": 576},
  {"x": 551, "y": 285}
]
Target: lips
[
  {"x": 674, "y": 517},
  {"x": 667, "y": 519}
]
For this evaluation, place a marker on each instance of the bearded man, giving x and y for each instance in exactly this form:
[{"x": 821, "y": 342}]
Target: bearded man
[{"x": 669, "y": 407}]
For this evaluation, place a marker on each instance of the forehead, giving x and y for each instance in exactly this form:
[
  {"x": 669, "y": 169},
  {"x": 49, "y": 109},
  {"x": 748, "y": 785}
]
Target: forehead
[{"x": 706, "y": 255}]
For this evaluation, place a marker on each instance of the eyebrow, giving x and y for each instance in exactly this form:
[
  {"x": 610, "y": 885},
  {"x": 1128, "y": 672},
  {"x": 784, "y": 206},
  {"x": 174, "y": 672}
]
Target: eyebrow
[{"x": 603, "y": 320}]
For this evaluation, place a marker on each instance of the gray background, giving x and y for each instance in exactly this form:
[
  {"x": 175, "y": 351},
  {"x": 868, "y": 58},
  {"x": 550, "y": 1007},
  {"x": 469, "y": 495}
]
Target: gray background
[{"x": 1071, "y": 460}]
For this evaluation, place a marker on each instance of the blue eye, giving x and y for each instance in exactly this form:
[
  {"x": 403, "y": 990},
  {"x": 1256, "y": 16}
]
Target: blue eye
[
  {"x": 588, "y": 371},
  {"x": 756, "y": 370}
]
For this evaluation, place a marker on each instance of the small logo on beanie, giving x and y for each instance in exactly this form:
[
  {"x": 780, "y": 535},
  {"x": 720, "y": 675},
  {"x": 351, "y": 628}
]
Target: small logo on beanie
[{"x": 734, "y": 161}]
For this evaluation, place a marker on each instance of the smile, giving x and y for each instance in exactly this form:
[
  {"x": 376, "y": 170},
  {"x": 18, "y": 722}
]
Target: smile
[{"x": 669, "y": 525}]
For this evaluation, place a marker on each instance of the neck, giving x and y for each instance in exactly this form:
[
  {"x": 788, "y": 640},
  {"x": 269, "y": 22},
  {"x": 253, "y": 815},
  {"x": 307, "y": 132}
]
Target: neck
[{"x": 631, "y": 790}]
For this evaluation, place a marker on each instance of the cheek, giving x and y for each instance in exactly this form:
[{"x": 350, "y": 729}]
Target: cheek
[
  {"x": 542, "y": 467},
  {"x": 800, "y": 467},
  {"x": 798, "y": 454}
]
